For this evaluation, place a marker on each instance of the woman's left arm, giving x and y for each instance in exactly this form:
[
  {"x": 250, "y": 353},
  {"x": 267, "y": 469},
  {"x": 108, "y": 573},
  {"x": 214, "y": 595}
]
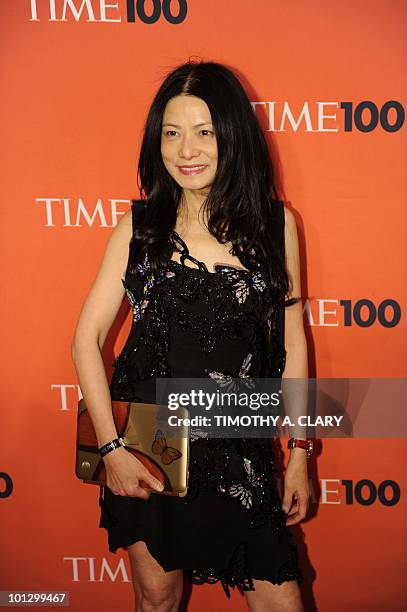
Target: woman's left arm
[{"x": 296, "y": 486}]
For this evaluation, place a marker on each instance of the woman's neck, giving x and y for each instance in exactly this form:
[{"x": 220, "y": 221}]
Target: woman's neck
[{"x": 190, "y": 214}]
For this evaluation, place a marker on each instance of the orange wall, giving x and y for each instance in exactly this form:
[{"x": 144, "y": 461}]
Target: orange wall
[{"x": 74, "y": 98}]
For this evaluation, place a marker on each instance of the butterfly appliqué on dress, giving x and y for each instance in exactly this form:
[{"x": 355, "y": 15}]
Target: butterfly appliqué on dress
[
  {"x": 241, "y": 290},
  {"x": 241, "y": 285},
  {"x": 257, "y": 282},
  {"x": 159, "y": 446},
  {"x": 195, "y": 433},
  {"x": 139, "y": 305},
  {"x": 241, "y": 491},
  {"x": 228, "y": 382}
]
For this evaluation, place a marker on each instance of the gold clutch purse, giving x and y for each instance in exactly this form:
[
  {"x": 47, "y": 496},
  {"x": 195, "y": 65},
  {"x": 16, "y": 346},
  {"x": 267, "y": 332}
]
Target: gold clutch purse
[{"x": 141, "y": 427}]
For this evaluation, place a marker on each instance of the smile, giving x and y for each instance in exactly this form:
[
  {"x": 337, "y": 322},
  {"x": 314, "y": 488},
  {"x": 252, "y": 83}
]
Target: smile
[{"x": 188, "y": 170}]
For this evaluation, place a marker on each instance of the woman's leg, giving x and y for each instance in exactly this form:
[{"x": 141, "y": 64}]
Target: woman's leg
[
  {"x": 155, "y": 589},
  {"x": 269, "y": 597}
]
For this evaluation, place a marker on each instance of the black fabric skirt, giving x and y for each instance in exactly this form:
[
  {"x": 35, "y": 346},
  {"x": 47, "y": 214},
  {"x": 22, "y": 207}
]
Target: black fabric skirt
[{"x": 229, "y": 528}]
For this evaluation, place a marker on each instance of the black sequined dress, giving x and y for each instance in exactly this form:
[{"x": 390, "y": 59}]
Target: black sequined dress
[{"x": 192, "y": 322}]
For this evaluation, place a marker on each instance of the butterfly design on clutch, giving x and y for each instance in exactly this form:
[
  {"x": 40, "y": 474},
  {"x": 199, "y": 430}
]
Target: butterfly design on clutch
[
  {"x": 239, "y": 490},
  {"x": 228, "y": 382},
  {"x": 159, "y": 446}
]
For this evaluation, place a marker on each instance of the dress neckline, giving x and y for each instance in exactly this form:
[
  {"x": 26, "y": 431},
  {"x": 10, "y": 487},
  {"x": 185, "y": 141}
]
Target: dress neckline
[{"x": 185, "y": 254}]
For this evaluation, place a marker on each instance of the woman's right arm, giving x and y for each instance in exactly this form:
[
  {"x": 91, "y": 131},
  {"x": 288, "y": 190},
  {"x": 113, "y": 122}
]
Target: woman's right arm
[{"x": 123, "y": 470}]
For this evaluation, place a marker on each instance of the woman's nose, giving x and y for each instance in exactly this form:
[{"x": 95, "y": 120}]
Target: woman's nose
[{"x": 188, "y": 148}]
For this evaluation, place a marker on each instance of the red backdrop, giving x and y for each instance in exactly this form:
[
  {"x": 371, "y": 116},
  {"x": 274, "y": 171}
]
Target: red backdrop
[{"x": 326, "y": 80}]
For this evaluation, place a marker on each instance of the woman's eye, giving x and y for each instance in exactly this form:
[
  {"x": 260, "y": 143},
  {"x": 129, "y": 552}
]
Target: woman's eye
[{"x": 171, "y": 132}]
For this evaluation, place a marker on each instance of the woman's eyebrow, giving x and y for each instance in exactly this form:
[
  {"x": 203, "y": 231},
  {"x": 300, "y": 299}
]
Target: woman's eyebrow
[{"x": 180, "y": 126}]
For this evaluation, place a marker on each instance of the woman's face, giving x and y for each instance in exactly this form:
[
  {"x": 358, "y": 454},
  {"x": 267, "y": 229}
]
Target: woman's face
[{"x": 188, "y": 142}]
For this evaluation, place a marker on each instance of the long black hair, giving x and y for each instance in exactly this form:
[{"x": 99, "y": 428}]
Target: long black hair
[{"x": 241, "y": 204}]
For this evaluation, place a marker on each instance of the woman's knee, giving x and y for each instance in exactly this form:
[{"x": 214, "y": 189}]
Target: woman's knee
[
  {"x": 158, "y": 598},
  {"x": 285, "y": 597},
  {"x": 155, "y": 589}
]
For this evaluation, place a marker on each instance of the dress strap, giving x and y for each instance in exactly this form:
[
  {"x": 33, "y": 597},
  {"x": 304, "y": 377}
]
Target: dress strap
[
  {"x": 177, "y": 241},
  {"x": 180, "y": 241},
  {"x": 181, "y": 247}
]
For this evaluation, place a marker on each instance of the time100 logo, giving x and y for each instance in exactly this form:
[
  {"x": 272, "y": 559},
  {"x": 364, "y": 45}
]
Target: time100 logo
[
  {"x": 362, "y": 312},
  {"x": 387, "y": 312},
  {"x": 173, "y": 11},
  {"x": 159, "y": 6}
]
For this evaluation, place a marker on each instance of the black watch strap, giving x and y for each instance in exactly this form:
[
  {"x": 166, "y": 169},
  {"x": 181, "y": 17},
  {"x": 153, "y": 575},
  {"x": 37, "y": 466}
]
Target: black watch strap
[{"x": 107, "y": 448}]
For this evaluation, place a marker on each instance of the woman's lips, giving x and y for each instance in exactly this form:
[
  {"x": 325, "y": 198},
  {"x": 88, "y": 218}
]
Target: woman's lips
[{"x": 189, "y": 170}]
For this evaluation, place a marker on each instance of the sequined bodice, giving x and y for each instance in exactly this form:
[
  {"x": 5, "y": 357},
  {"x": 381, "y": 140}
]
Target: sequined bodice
[{"x": 191, "y": 322}]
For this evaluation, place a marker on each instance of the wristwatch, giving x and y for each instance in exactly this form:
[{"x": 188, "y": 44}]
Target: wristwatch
[
  {"x": 107, "y": 448},
  {"x": 308, "y": 444}
]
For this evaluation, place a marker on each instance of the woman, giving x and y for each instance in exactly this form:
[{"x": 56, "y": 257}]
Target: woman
[{"x": 201, "y": 259}]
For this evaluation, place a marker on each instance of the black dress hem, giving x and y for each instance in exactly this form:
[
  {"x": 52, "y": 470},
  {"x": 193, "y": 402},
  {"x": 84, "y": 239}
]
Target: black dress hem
[{"x": 229, "y": 578}]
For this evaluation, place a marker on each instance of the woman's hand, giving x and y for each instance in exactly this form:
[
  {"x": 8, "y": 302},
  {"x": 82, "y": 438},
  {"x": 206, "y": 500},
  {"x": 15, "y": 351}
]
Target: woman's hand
[
  {"x": 296, "y": 485},
  {"x": 123, "y": 473}
]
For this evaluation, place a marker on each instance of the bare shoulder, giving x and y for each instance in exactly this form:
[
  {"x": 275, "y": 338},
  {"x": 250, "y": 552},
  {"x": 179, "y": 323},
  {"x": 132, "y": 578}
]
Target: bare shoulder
[
  {"x": 117, "y": 247},
  {"x": 290, "y": 230},
  {"x": 125, "y": 224},
  {"x": 289, "y": 220},
  {"x": 121, "y": 234}
]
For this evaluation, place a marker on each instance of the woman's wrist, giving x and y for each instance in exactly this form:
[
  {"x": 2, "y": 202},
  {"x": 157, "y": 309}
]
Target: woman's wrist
[
  {"x": 298, "y": 454},
  {"x": 301, "y": 444},
  {"x": 111, "y": 458},
  {"x": 111, "y": 446}
]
